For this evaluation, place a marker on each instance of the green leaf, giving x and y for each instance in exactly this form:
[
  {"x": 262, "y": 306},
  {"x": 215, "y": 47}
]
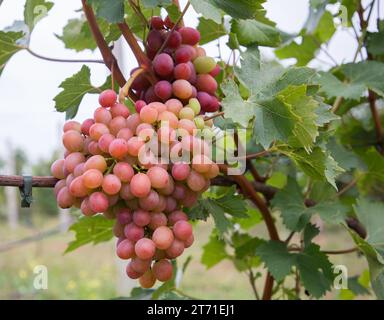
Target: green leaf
[
  {"x": 310, "y": 231},
  {"x": 93, "y": 230},
  {"x": 375, "y": 42},
  {"x": 8, "y": 46},
  {"x": 112, "y": 11},
  {"x": 173, "y": 12},
  {"x": 315, "y": 270},
  {"x": 332, "y": 87},
  {"x": 241, "y": 9},
  {"x": 74, "y": 89},
  {"x": 252, "y": 32},
  {"x": 213, "y": 251},
  {"x": 254, "y": 218},
  {"x": 208, "y": 9},
  {"x": 156, "y": 3},
  {"x": 303, "y": 52},
  {"x": 367, "y": 73},
  {"x": 277, "y": 258},
  {"x": 34, "y": 11},
  {"x": 325, "y": 28},
  {"x": 346, "y": 158},
  {"x": 373, "y": 176},
  {"x": 210, "y": 30},
  {"x": 233, "y": 42},
  {"x": 248, "y": 248}
]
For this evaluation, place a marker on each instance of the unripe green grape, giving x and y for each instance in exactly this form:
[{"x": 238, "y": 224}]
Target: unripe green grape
[
  {"x": 199, "y": 122},
  {"x": 204, "y": 64},
  {"x": 194, "y": 104},
  {"x": 186, "y": 113}
]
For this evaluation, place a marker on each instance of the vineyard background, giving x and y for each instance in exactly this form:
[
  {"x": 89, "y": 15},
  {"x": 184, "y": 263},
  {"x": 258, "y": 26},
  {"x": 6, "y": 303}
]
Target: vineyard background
[{"x": 27, "y": 87}]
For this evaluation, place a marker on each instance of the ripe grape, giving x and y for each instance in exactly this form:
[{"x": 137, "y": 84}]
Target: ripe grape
[
  {"x": 72, "y": 125},
  {"x": 118, "y": 148},
  {"x": 107, "y": 98},
  {"x": 157, "y": 23},
  {"x": 133, "y": 232},
  {"x": 163, "y": 89},
  {"x": 57, "y": 169},
  {"x": 162, "y": 270},
  {"x": 163, "y": 64},
  {"x": 123, "y": 171},
  {"x": 119, "y": 109},
  {"x": 145, "y": 248},
  {"x": 182, "y": 89},
  {"x": 158, "y": 219},
  {"x": 96, "y": 162},
  {"x": 175, "y": 216},
  {"x": 182, "y": 230},
  {"x": 162, "y": 237},
  {"x": 141, "y": 217},
  {"x": 73, "y": 141},
  {"x": 98, "y": 202},
  {"x": 125, "y": 249},
  {"x": 158, "y": 177},
  {"x": 140, "y": 185},
  {"x": 111, "y": 184},
  {"x": 189, "y": 35},
  {"x": 147, "y": 280}
]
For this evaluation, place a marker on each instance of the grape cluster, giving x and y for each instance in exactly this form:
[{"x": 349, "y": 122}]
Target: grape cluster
[
  {"x": 182, "y": 67},
  {"x": 116, "y": 164}
]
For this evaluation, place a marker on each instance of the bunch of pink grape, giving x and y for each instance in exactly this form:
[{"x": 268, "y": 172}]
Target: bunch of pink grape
[
  {"x": 181, "y": 65},
  {"x": 141, "y": 169}
]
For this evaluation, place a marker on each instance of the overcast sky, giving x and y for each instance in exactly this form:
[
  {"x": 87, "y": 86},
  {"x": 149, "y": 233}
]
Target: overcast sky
[{"x": 28, "y": 85}]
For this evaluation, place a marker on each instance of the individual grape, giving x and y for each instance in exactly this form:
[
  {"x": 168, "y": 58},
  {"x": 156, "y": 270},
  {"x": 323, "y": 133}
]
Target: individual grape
[
  {"x": 147, "y": 280},
  {"x": 150, "y": 95},
  {"x": 86, "y": 125},
  {"x": 125, "y": 192},
  {"x": 72, "y": 160},
  {"x": 174, "y": 40},
  {"x": 171, "y": 204},
  {"x": 123, "y": 171},
  {"x": 205, "y": 100},
  {"x": 133, "y": 232},
  {"x": 189, "y": 35},
  {"x": 154, "y": 40},
  {"x": 206, "y": 83},
  {"x": 179, "y": 191},
  {"x": 93, "y": 148},
  {"x": 190, "y": 199},
  {"x": 117, "y": 124},
  {"x": 184, "y": 54},
  {"x": 145, "y": 248},
  {"x": 182, "y": 71},
  {"x": 96, "y": 162},
  {"x": 105, "y": 141},
  {"x": 140, "y": 265},
  {"x": 168, "y": 22},
  {"x": 169, "y": 188},
  {"x": 148, "y": 114},
  {"x": 111, "y": 184},
  {"x": 125, "y": 249},
  {"x": 194, "y": 104},
  {"x": 57, "y": 169},
  {"x": 64, "y": 198},
  {"x": 162, "y": 237},
  {"x": 175, "y": 216},
  {"x": 102, "y": 115},
  {"x": 204, "y": 64},
  {"x": 175, "y": 250},
  {"x": 77, "y": 188},
  {"x": 216, "y": 71},
  {"x": 159, "y": 106},
  {"x": 73, "y": 141},
  {"x": 163, "y": 89},
  {"x": 157, "y": 23},
  {"x": 150, "y": 202},
  {"x": 158, "y": 219},
  {"x": 141, "y": 217},
  {"x": 182, "y": 89},
  {"x": 168, "y": 118},
  {"x": 182, "y": 230},
  {"x": 192, "y": 79},
  {"x": 118, "y": 148},
  {"x": 123, "y": 215},
  {"x": 86, "y": 208},
  {"x": 72, "y": 125},
  {"x": 97, "y": 130},
  {"x": 162, "y": 204},
  {"x": 162, "y": 270},
  {"x": 213, "y": 171},
  {"x": 158, "y": 177},
  {"x": 196, "y": 181},
  {"x": 139, "y": 104},
  {"x": 120, "y": 109},
  {"x": 201, "y": 163},
  {"x": 199, "y": 122},
  {"x": 58, "y": 186},
  {"x": 107, "y": 98},
  {"x": 187, "y": 113},
  {"x": 140, "y": 185},
  {"x": 125, "y": 134},
  {"x": 143, "y": 126},
  {"x": 134, "y": 146},
  {"x": 189, "y": 241},
  {"x": 98, "y": 202},
  {"x": 174, "y": 106},
  {"x": 132, "y": 273},
  {"x": 69, "y": 179},
  {"x": 163, "y": 64},
  {"x": 213, "y": 107},
  {"x": 180, "y": 171}
]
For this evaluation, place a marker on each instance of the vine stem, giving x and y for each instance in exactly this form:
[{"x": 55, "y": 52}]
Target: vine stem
[
  {"x": 39, "y": 56},
  {"x": 124, "y": 91},
  {"x": 105, "y": 51},
  {"x": 344, "y": 251},
  {"x": 214, "y": 116}
]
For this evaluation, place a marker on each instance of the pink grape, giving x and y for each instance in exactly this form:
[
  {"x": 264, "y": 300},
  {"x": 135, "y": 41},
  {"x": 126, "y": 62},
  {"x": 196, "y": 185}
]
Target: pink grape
[
  {"x": 107, "y": 98},
  {"x": 157, "y": 23},
  {"x": 140, "y": 185},
  {"x": 175, "y": 250},
  {"x": 98, "y": 202},
  {"x": 163, "y": 64},
  {"x": 111, "y": 184},
  {"x": 182, "y": 230},
  {"x": 86, "y": 125},
  {"x": 158, "y": 219},
  {"x": 147, "y": 280},
  {"x": 150, "y": 202},
  {"x": 124, "y": 216},
  {"x": 123, "y": 171},
  {"x": 158, "y": 177},
  {"x": 119, "y": 109},
  {"x": 141, "y": 217},
  {"x": 125, "y": 249},
  {"x": 57, "y": 169},
  {"x": 140, "y": 265},
  {"x": 132, "y": 273},
  {"x": 96, "y": 162},
  {"x": 162, "y": 270},
  {"x": 86, "y": 208},
  {"x": 189, "y": 35},
  {"x": 145, "y": 248},
  {"x": 180, "y": 171},
  {"x": 133, "y": 232},
  {"x": 118, "y": 148},
  {"x": 97, "y": 130},
  {"x": 163, "y": 89},
  {"x": 182, "y": 89},
  {"x": 72, "y": 125},
  {"x": 175, "y": 216},
  {"x": 64, "y": 198},
  {"x": 163, "y": 237},
  {"x": 105, "y": 141},
  {"x": 73, "y": 141},
  {"x": 102, "y": 115}
]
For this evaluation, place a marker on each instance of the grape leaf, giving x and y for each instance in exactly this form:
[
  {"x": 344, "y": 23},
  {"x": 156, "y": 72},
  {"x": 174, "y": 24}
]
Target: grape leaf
[
  {"x": 241, "y": 9},
  {"x": 252, "y": 32},
  {"x": 277, "y": 258},
  {"x": 208, "y": 9},
  {"x": 93, "y": 230},
  {"x": 34, "y": 11},
  {"x": 303, "y": 52},
  {"x": 112, "y": 11},
  {"x": 213, "y": 251},
  {"x": 74, "y": 89},
  {"x": 8, "y": 46},
  {"x": 210, "y": 30},
  {"x": 375, "y": 41},
  {"x": 156, "y": 3},
  {"x": 374, "y": 173}
]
